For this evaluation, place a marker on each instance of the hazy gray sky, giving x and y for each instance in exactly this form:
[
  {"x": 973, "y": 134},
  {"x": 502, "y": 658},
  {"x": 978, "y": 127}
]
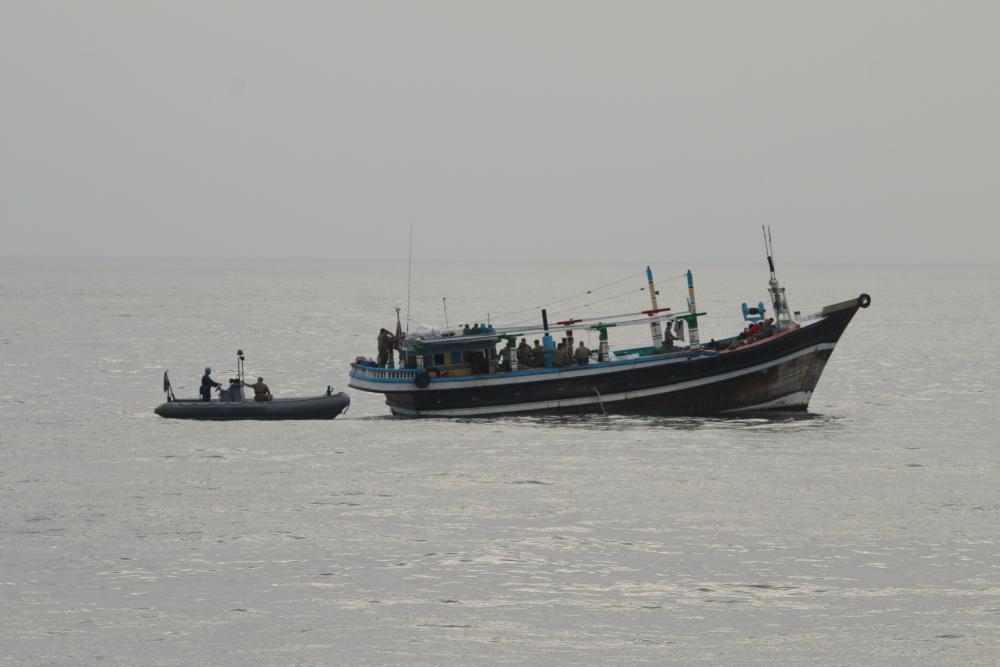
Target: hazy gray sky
[{"x": 859, "y": 130}]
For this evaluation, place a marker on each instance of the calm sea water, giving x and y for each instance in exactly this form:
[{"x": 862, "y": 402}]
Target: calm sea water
[{"x": 865, "y": 533}]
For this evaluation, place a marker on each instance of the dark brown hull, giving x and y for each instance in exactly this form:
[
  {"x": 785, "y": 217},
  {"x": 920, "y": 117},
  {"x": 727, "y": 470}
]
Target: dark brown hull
[{"x": 777, "y": 373}]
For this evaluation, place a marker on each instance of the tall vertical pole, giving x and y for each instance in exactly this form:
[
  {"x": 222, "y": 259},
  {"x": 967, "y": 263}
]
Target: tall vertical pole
[
  {"x": 603, "y": 348},
  {"x": 399, "y": 340},
  {"x": 693, "y": 316},
  {"x": 409, "y": 279},
  {"x": 779, "y": 300},
  {"x": 654, "y": 326},
  {"x": 547, "y": 343}
]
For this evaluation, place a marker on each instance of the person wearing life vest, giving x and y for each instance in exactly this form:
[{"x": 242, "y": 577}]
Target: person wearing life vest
[
  {"x": 261, "y": 392},
  {"x": 207, "y": 384}
]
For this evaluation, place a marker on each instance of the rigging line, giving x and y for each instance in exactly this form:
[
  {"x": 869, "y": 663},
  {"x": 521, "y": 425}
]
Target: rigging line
[
  {"x": 568, "y": 298},
  {"x": 641, "y": 289},
  {"x": 592, "y": 303},
  {"x": 586, "y": 305},
  {"x": 590, "y": 291}
]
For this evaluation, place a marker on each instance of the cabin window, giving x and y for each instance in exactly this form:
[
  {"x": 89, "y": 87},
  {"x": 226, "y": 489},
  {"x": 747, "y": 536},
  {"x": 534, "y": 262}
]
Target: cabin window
[
  {"x": 427, "y": 360},
  {"x": 467, "y": 357},
  {"x": 439, "y": 359},
  {"x": 456, "y": 357}
]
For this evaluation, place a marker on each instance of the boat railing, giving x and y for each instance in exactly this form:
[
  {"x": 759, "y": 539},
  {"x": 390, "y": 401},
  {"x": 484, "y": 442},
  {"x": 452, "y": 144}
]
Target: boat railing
[{"x": 378, "y": 372}]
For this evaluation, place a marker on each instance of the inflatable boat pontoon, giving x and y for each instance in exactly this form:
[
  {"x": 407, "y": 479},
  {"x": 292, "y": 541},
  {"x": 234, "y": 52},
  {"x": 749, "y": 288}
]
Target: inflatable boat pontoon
[{"x": 311, "y": 407}]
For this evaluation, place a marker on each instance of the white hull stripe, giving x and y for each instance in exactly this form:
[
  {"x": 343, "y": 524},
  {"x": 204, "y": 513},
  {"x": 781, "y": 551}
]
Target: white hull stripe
[
  {"x": 796, "y": 400},
  {"x": 613, "y": 398},
  {"x": 405, "y": 384}
]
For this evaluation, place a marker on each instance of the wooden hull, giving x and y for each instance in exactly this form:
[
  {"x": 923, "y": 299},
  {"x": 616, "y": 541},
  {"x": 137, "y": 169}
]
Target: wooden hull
[{"x": 777, "y": 373}]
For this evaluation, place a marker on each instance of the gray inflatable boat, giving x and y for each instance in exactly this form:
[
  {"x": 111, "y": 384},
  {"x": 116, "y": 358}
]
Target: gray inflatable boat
[
  {"x": 327, "y": 406},
  {"x": 233, "y": 403}
]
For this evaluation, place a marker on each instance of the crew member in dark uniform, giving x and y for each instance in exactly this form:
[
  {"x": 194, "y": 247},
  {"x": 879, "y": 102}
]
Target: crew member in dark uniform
[
  {"x": 207, "y": 383},
  {"x": 668, "y": 340}
]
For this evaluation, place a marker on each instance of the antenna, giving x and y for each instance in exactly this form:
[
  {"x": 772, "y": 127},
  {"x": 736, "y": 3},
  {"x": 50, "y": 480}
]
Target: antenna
[
  {"x": 409, "y": 278},
  {"x": 444, "y": 302},
  {"x": 768, "y": 248}
]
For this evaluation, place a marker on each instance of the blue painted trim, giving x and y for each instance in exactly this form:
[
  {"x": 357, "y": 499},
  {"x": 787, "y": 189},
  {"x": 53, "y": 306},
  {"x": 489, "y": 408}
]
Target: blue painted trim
[{"x": 623, "y": 363}]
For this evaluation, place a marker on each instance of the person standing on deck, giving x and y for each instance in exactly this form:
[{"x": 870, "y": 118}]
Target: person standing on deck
[
  {"x": 207, "y": 384},
  {"x": 560, "y": 357},
  {"x": 582, "y": 354},
  {"x": 505, "y": 354},
  {"x": 385, "y": 343},
  {"x": 668, "y": 341},
  {"x": 538, "y": 355},
  {"x": 523, "y": 354}
]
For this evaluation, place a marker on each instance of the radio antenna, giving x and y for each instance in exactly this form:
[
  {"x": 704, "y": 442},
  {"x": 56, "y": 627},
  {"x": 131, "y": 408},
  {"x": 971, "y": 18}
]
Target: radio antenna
[
  {"x": 409, "y": 278},
  {"x": 768, "y": 248}
]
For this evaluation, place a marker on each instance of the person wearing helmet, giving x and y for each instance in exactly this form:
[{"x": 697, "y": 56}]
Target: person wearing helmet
[{"x": 207, "y": 383}]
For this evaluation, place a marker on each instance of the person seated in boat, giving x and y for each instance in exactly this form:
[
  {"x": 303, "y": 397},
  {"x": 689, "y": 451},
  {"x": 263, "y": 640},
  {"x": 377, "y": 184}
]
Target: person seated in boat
[
  {"x": 560, "y": 357},
  {"x": 538, "y": 355},
  {"x": 385, "y": 343},
  {"x": 260, "y": 390},
  {"x": 523, "y": 353},
  {"x": 505, "y": 357},
  {"x": 582, "y": 355},
  {"x": 668, "y": 341},
  {"x": 753, "y": 333},
  {"x": 466, "y": 330},
  {"x": 207, "y": 384},
  {"x": 768, "y": 328}
]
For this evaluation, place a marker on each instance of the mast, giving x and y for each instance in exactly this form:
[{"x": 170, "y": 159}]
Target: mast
[
  {"x": 778, "y": 298},
  {"x": 395, "y": 345},
  {"x": 409, "y": 280},
  {"x": 547, "y": 343},
  {"x": 654, "y": 326}
]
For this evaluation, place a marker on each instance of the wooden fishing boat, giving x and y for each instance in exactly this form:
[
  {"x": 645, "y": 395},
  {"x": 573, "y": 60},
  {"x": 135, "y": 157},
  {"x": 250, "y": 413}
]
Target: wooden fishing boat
[{"x": 459, "y": 374}]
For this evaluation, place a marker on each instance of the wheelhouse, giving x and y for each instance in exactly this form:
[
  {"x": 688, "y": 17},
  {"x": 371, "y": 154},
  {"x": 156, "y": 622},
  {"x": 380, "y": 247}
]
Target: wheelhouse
[{"x": 452, "y": 354}]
